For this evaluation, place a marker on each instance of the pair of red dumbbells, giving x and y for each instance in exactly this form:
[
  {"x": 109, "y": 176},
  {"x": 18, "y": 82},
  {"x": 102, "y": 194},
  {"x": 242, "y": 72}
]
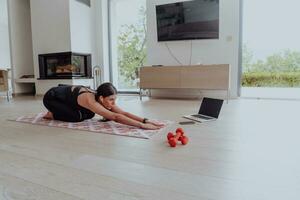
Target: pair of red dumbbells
[{"x": 173, "y": 139}]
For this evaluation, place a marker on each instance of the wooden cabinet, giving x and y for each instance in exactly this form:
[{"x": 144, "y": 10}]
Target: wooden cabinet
[
  {"x": 159, "y": 77},
  {"x": 203, "y": 77},
  {"x": 4, "y": 82}
]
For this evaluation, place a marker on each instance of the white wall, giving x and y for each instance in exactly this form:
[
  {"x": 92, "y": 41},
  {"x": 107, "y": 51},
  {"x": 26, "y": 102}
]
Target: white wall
[
  {"x": 72, "y": 27},
  {"x": 81, "y": 27},
  {"x": 4, "y": 36},
  {"x": 50, "y": 33},
  {"x": 86, "y": 30},
  {"x": 50, "y": 28},
  {"x": 101, "y": 17},
  {"x": 21, "y": 43},
  {"x": 43, "y": 26},
  {"x": 221, "y": 51},
  {"x": 95, "y": 21},
  {"x": 89, "y": 32}
]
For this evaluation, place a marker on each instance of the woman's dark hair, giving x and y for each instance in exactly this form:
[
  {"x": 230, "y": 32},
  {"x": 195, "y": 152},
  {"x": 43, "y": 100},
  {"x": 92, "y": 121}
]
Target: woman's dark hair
[{"x": 105, "y": 90}]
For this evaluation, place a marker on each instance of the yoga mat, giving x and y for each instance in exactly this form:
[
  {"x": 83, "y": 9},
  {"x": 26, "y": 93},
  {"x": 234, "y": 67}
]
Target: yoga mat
[{"x": 94, "y": 125}]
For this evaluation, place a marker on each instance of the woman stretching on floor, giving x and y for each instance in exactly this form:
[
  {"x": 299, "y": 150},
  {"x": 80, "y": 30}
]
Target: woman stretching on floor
[{"x": 78, "y": 103}]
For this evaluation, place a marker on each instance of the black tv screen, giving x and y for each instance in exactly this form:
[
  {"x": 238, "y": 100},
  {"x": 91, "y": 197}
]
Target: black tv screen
[{"x": 189, "y": 20}]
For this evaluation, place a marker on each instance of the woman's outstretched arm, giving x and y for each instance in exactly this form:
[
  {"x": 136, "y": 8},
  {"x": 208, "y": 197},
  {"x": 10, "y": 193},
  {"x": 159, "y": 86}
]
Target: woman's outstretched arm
[
  {"x": 116, "y": 109},
  {"x": 90, "y": 103}
]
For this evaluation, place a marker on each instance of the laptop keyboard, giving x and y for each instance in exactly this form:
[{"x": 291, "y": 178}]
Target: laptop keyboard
[{"x": 202, "y": 116}]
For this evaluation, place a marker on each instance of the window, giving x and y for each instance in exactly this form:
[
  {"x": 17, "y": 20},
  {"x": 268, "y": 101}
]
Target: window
[
  {"x": 127, "y": 21},
  {"x": 271, "y": 53}
]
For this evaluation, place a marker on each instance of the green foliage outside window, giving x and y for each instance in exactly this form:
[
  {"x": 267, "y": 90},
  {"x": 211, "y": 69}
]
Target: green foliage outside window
[
  {"x": 132, "y": 50},
  {"x": 277, "y": 70}
]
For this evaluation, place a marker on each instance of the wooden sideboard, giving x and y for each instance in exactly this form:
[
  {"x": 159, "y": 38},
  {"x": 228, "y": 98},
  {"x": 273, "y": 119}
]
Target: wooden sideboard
[
  {"x": 4, "y": 82},
  {"x": 202, "y": 77}
]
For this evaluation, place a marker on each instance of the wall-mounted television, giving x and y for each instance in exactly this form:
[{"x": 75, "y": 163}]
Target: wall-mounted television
[{"x": 188, "y": 20}]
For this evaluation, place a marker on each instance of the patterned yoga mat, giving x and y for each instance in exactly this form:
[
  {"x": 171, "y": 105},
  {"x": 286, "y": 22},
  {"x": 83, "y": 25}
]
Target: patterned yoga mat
[{"x": 94, "y": 125}]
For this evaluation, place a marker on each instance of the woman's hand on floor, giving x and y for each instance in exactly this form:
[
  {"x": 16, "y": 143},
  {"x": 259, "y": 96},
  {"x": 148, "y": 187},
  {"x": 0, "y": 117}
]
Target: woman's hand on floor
[
  {"x": 149, "y": 126},
  {"x": 160, "y": 125}
]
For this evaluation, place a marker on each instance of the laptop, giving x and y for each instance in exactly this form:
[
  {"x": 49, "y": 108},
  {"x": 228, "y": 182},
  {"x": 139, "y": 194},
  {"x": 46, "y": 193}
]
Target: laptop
[{"x": 209, "y": 110}]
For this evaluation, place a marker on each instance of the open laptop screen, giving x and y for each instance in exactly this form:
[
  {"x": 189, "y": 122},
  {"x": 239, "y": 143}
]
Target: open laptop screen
[{"x": 211, "y": 107}]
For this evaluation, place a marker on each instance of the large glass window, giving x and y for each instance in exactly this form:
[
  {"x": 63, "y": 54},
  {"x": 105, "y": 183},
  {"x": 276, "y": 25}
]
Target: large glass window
[
  {"x": 127, "y": 41},
  {"x": 271, "y": 51}
]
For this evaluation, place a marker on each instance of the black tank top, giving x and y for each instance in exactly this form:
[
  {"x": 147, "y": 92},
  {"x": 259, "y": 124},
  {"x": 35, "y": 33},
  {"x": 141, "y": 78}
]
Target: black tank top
[{"x": 84, "y": 112}]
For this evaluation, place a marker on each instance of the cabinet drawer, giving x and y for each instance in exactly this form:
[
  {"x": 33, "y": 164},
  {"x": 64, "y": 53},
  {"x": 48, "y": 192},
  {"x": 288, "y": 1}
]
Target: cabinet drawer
[{"x": 159, "y": 77}]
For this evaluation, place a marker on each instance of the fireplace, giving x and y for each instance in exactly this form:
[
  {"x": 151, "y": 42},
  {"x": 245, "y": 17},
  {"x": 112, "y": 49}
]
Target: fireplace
[{"x": 65, "y": 65}]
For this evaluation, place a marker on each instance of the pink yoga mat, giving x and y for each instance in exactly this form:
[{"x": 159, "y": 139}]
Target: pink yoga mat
[{"x": 94, "y": 125}]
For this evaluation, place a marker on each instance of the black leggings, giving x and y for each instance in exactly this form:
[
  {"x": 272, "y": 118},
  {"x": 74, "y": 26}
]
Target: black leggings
[{"x": 57, "y": 101}]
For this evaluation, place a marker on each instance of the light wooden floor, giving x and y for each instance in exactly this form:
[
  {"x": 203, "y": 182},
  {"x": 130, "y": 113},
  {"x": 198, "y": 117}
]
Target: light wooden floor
[{"x": 251, "y": 153}]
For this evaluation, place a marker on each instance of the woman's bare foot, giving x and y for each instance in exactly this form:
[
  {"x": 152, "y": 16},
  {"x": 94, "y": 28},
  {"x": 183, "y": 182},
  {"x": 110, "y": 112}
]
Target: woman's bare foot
[{"x": 49, "y": 115}]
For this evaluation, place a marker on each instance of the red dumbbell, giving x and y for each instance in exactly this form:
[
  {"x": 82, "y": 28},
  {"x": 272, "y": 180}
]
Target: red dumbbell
[
  {"x": 183, "y": 139},
  {"x": 170, "y": 134},
  {"x": 179, "y": 130},
  {"x": 172, "y": 139}
]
